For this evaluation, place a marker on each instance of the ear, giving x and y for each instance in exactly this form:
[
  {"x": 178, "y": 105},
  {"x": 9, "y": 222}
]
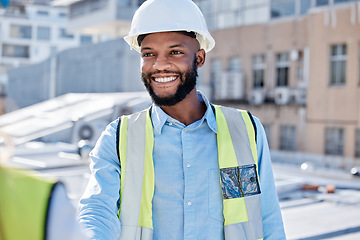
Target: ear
[{"x": 200, "y": 57}]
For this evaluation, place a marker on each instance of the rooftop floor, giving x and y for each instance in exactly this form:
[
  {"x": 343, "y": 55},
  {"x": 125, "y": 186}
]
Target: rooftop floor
[{"x": 307, "y": 215}]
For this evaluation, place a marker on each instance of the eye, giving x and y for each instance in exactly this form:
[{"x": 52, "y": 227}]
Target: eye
[
  {"x": 176, "y": 52},
  {"x": 147, "y": 55}
]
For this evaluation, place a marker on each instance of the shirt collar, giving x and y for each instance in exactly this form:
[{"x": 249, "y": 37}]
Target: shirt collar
[{"x": 159, "y": 117}]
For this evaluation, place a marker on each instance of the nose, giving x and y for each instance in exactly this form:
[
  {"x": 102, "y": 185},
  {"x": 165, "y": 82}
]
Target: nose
[{"x": 162, "y": 63}]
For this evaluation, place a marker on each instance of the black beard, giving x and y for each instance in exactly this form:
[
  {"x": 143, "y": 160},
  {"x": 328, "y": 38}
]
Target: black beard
[{"x": 188, "y": 84}]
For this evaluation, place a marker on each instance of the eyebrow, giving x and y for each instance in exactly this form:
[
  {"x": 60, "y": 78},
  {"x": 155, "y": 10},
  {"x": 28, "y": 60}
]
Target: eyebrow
[
  {"x": 172, "y": 46},
  {"x": 146, "y": 48},
  {"x": 176, "y": 45}
]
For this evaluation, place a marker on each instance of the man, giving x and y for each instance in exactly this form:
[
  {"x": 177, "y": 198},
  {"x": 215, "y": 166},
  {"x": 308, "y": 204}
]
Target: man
[{"x": 183, "y": 169}]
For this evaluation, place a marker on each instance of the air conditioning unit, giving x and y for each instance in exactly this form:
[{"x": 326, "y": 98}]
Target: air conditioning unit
[
  {"x": 282, "y": 95},
  {"x": 88, "y": 130},
  {"x": 256, "y": 96}
]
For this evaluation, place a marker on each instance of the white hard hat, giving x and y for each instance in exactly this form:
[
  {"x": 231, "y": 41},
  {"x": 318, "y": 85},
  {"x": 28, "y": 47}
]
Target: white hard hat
[{"x": 169, "y": 16}]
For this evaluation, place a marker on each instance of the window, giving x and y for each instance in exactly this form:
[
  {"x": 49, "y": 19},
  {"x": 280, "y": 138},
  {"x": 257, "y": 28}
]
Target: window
[
  {"x": 334, "y": 141},
  {"x": 228, "y": 19},
  {"x": 288, "y": 138},
  {"x": 282, "y": 69},
  {"x": 228, "y": 5},
  {"x": 258, "y": 69},
  {"x": 43, "y": 33},
  {"x": 321, "y": 2},
  {"x": 282, "y": 8},
  {"x": 17, "y": 51},
  {"x": 300, "y": 65},
  {"x": 20, "y": 31},
  {"x": 231, "y": 81},
  {"x": 342, "y": 1},
  {"x": 80, "y": 8},
  {"x": 215, "y": 74},
  {"x": 338, "y": 64},
  {"x": 85, "y": 39},
  {"x": 255, "y": 14},
  {"x": 235, "y": 64},
  {"x": 64, "y": 34},
  {"x": 62, "y": 15},
  {"x": 357, "y": 143},
  {"x": 42, "y": 13},
  {"x": 305, "y": 5}
]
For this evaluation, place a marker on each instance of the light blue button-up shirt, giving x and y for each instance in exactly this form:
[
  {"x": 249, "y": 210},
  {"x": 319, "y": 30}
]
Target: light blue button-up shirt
[{"x": 187, "y": 202}]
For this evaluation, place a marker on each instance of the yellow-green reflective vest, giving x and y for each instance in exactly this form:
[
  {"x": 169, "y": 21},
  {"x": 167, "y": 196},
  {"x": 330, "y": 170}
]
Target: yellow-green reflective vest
[
  {"x": 24, "y": 202},
  {"x": 239, "y": 180}
]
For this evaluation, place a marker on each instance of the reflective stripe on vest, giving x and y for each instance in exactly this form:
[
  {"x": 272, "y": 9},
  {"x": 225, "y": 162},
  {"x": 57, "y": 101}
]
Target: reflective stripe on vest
[
  {"x": 242, "y": 211},
  {"x": 137, "y": 186},
  {"x": 24, "y": 201}
]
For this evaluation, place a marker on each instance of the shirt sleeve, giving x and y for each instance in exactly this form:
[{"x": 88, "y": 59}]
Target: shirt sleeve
[
  {"x": 100, "y": 202},
  {"x": 270, "y": 209}
]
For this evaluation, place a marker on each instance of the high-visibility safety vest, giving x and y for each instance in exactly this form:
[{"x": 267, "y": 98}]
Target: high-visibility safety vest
[
  {"x": 24, "y": 202},
  {"x": 239, "y": 180}
]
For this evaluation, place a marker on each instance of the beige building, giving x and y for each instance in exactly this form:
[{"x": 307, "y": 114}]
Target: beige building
[{"x": 301, "y": 77}]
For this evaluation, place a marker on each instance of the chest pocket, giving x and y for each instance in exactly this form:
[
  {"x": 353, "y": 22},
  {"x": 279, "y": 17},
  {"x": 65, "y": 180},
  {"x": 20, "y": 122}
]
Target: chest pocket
[{"x": 241, "y": 181}]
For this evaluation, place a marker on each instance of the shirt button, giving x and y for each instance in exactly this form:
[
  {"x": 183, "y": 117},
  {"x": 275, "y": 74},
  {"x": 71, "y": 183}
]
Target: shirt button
[
  {"x": 170, "y": 124},
  {"x": 189, "y": 203},
  {"x": 185, "y": 130},
  {"x": 188, "y": 165}
]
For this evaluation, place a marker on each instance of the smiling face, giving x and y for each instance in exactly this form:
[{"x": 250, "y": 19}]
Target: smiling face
[{"x": 169, "y": 66}]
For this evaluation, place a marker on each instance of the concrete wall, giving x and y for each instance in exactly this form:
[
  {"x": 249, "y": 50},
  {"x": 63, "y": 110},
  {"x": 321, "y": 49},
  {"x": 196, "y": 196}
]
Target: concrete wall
[
  {"x": 28, "y": 85},
  {"x": 98, "y": 68}
]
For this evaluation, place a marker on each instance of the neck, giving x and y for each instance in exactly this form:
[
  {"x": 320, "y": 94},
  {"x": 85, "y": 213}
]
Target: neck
[{"x": 188, "y": 110}]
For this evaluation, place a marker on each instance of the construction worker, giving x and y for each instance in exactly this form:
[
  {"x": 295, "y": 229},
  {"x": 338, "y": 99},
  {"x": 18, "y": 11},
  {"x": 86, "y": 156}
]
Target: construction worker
[
  {"x": 184, "y": 168},
  {"x": 33, "y": 207}
]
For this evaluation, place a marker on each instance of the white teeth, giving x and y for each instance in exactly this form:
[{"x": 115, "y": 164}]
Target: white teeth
[{"x": 165, "y": 79}]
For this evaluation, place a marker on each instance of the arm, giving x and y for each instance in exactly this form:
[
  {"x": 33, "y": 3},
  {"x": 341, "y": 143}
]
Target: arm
[
  {"x": 99, "y": 205},
  {"x": 270, "y": 209}
]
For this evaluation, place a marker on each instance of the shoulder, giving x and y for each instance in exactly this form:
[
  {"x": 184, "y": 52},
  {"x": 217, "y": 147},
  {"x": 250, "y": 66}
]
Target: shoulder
[{"x": 111, "y": 128}]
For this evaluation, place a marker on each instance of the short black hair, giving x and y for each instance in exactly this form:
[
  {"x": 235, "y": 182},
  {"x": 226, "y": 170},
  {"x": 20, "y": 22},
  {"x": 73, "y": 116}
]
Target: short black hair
[{"x": 141, "y": 37}]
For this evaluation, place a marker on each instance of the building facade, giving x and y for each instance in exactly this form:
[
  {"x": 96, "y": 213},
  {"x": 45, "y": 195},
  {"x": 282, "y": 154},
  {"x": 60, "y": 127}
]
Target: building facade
[
  {"x": 29, "y": 32},
  {"x": 293, "y": 63},
  {"x": 101, "y": 18},
  {"x": 300, "y": 75}
]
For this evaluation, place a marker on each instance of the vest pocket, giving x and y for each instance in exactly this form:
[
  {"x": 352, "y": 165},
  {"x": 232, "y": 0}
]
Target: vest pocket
[
  {"x": 215, "y": 196},
  {"x": 239, "y": 181}
]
